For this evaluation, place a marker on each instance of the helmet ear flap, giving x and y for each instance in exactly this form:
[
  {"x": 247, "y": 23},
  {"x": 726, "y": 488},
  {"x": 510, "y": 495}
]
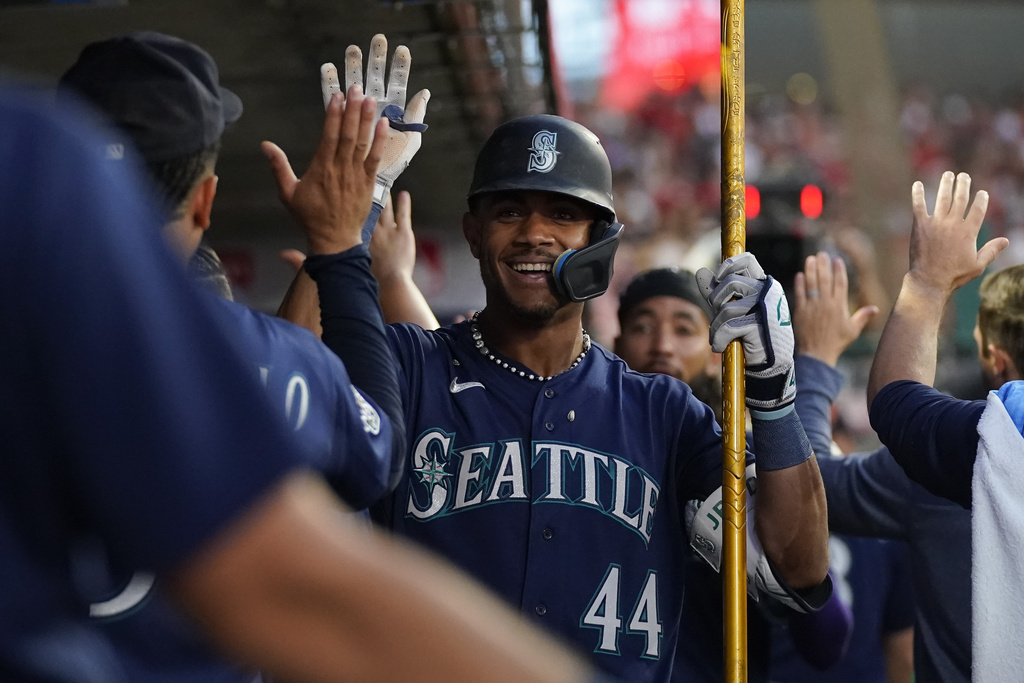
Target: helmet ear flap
[{"x": 586, "y": 273}]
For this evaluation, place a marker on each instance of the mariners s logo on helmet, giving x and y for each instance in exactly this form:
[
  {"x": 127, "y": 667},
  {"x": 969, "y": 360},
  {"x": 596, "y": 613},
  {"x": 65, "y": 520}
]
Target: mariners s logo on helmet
[{"x": 544, "y": 153}]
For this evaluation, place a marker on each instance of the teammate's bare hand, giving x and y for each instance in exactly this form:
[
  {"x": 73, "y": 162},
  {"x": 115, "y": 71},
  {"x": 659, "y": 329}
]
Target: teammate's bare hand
[
  {"x": 332, "y": 199},
  {"x": 393, "y": 247},
  {"x": 943, "y": 245},
  {"x": 293, "y": 257},
  {"x": 822, "y": 322}
]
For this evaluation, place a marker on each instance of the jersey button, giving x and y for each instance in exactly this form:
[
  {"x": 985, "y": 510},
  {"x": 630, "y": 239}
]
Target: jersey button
[
  {"x": 550, "y": 393},
  {"x": 549, "y": 425},
  {"x": 541, "y": 610},
  {"x": 548, "y": 534}
]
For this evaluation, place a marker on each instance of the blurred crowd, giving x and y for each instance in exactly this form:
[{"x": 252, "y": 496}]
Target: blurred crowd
[{"x": 667, "y": 165}]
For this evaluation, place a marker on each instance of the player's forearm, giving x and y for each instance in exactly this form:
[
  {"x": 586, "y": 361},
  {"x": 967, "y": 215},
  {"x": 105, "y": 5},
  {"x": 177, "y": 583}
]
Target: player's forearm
[
  {"x": 791, "y": 515},
  {"x": 301, "y": 304},
  {"x": 403, "y": 302},
  {"x": 899, "y": 656},
  {"x": 354, "y": 331},
  {"x": 792, "y": 523},
  {"x": 357, "y": 605},
  {"x": 818, "y": 384},
  {"x": 909, "y": 342}
]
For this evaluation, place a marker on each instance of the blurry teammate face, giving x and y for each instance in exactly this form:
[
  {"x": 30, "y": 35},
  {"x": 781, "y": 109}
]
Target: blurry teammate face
[
  {"x": 667, "y": 335},
  {"x": 517, "y": 236}
]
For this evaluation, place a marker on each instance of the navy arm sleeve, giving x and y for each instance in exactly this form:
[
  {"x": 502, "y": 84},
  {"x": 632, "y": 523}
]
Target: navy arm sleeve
[
  {"x": 867, "y": 492},
  {"x": 818, "y": 384},
  {"x": 353, "y": 328},
  {"x": 371, "y": 222},
  {"x": 933, "y": 437}
]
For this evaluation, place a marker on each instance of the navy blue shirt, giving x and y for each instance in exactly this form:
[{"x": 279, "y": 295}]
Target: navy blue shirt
[
  {"x": 129, "y": 419},
  {"x": 345, "y": 437},
  {"x": 869, "y": 494},
  {"x": 570, "y": 508},
  {"x": 933, "y": 436},
  {"x": 566, "y": 497}
]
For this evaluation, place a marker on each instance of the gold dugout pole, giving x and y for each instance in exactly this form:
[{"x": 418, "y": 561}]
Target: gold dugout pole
[{"x": 734, "y": 498}]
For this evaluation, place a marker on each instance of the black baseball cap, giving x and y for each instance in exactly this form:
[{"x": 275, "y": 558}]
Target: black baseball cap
[
  {"x": 676, "y": 282},
  {"x": 164, "y": 92}
]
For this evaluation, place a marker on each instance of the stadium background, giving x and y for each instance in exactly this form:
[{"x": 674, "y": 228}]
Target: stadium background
[{"x": 856, "y": 99}]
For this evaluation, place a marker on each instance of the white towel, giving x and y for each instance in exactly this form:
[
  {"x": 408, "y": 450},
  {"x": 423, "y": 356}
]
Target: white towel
[{"x": 998, "y": 547}]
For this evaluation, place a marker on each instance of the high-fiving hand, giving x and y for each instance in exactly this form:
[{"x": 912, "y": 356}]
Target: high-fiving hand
[
  {"x": 944, "y": 250},
  {"x": 822, "y": 321},
  {"x": 393, "y": 247},
  {"x": 405, "y": 123},
  {"x": 332, "y": 199}
]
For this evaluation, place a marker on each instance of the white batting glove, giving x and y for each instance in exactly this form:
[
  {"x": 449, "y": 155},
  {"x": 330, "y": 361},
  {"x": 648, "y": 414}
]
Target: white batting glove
[
  {"x": 750, "y": 306},
  {"x": 405, "y": 135}
]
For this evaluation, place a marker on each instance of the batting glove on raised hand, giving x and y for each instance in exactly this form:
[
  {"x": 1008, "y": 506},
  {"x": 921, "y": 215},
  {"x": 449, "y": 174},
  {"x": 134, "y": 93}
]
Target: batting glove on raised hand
[
  {"x": 405, "y": 135},
  {"x": 750, "y": 306}
]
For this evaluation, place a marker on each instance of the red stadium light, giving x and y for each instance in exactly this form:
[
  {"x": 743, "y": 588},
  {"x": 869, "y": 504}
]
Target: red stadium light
[
  {"x": 752, "y": 199},
  {"x": 811, "y": 201},
  {"x": 670, "y": 75}
]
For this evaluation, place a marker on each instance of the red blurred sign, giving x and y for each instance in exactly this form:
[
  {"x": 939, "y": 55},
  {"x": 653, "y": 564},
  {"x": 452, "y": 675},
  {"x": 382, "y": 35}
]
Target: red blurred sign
[
  {"x": 239, "y": 265},
  {"x": 669, "y": 45}
]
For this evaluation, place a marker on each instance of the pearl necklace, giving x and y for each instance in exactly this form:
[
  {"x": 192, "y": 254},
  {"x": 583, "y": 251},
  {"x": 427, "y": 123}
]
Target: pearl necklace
[{"x": 478, "y": 340}]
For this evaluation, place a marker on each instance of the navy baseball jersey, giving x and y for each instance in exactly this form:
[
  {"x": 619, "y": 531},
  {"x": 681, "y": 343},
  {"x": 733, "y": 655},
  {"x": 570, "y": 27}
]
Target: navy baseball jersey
[
  {"x": 869, "y": 494},
  {"x": 567, "y": 506},
  {"x": 129, "y": 420},
  {"x": 872, "y": 576},
  {"x": 340, "y": 427},
  {"x": 343, "y": 436},
  {"x": 702, "y": 631}
]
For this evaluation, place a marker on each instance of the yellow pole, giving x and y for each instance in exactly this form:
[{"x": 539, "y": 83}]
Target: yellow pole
[{"x": 734, "y": 533}]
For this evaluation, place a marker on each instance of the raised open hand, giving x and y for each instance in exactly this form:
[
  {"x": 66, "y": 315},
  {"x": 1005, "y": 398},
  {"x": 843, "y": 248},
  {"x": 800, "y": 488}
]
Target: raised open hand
[
  {"x": 393, "y": 247},
  {"x": 405, "y": 123},
  {"x": 822, "y": 322},
  {"x": 944, "y": 251},
  {"x": 332, "y": 199}
]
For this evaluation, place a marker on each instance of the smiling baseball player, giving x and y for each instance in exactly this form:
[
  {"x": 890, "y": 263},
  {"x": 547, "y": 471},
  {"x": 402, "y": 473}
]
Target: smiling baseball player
[{"x": 545, "y": 467}]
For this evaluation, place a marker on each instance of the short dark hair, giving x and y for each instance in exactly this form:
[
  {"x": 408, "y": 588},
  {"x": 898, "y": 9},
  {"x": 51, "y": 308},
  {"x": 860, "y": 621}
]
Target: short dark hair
[
  {"x": 1001, "y": 312},
  {"x": 176, "y": 178}
]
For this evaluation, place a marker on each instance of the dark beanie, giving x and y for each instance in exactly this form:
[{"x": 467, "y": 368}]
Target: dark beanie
[{"x": 675, "y": 282}]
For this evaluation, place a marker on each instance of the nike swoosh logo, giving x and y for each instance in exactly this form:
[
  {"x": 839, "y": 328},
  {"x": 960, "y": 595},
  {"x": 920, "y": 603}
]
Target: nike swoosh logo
[{"x": 456, "y": 387}]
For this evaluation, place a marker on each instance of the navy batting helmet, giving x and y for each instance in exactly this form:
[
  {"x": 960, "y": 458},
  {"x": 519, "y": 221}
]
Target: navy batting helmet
[{"x": 545, "y": 153}]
